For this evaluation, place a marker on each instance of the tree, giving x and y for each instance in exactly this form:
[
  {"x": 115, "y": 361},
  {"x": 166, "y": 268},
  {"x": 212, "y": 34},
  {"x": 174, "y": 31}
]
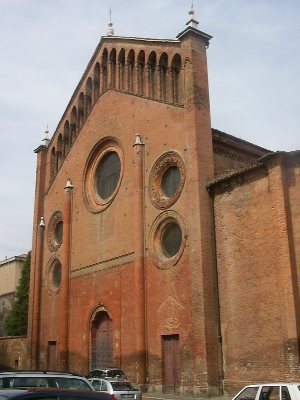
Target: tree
[{"x": 16, "y": 320}]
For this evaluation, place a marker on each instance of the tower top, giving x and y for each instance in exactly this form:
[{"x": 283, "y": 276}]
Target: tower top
[
  {"x": 192, "y": 22},
  {"x": 110, "y": 29}
]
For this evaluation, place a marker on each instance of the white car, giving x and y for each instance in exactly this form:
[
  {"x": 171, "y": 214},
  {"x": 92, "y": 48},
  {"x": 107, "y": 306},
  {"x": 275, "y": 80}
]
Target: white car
[
  {"x": 120, "y": 389},
  {"x": 270, "y": 391}
]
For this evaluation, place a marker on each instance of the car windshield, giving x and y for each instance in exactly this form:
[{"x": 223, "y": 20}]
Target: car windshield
[{"x": 119, "y": 386}]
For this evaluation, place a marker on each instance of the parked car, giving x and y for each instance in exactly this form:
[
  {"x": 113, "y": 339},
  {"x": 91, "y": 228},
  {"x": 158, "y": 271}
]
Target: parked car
[
  {"x": 120, "y": 389},
  {"x": 107, "y": 373},
  {"x": 51, "y": 394},
  {"x": 25, "y": 379},
  {"x": 270, "y": 391}
]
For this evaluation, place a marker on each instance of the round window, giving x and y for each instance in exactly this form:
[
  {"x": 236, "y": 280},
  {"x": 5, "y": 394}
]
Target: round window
[
  {"x": 171, "y": 239},
  {"x": 166, "y": 180},
  {"x": 107, "y": 174},
  {"x": 55, "y": 231},
  {"x": 58, "y": 232},
  {"x": 167, "y": 239},
  {"x": 170, "y": 181},
  {"x": 56, "y": 274}
]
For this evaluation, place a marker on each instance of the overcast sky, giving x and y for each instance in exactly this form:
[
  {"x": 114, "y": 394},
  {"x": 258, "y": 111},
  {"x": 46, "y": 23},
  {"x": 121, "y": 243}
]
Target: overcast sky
[{"x": 45, "y": 45}]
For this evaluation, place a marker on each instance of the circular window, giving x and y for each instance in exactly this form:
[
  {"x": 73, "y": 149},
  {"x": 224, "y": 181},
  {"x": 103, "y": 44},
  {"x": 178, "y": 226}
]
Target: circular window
[
  {"x": 53, "y": 275},
  {"x": 55, "y": 231},
  {"x": 166, "y": 180},
  {"x": 171, "y": 239},
  {"x": 170, "y": 181},
  {"x": 58, "y": 232},
  {"x": 167, "y": 239},
  {"x": 107, "y": 174},
  {"x": 103, "y": 174},
  {"x": 56, "y": 274}
]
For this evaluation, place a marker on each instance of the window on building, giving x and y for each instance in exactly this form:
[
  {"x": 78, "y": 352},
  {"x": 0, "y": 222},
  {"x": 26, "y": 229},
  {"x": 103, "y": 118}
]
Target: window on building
[
  {"x": 108, "y": 174},
  {"x": 170, "y": 181},
  {"x": 171, "y": 239}
]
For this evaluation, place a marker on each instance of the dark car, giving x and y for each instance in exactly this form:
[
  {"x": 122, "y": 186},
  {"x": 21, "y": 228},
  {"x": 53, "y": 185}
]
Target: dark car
[
  {"x": 26, "y": 379},
  {"x": 52, "y": 394},
  {"x": 107, "y": 373}
]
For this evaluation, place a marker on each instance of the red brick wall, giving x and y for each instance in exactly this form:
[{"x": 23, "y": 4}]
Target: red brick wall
[{"x": 252, "y": 296}]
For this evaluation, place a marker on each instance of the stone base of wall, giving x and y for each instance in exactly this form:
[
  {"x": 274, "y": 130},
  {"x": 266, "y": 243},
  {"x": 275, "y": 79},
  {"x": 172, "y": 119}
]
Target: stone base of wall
[{"x": 13, "y": 353}]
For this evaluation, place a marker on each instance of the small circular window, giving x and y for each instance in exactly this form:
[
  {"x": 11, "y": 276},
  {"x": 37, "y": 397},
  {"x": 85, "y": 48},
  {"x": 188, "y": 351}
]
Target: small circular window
[
  {"x": 170, "y": 181},
  {"x": 53, "y": 275},
  {"x": 56, "y": 274},
  {"x": 171, "y": 239},
  {"x": 166, "y": 180},
  {"x": 55, "y": 231},
  {"x": 167, "y": 239},
  {"x": 107, "y": 174},
  {"x": 58, "y": 232},
  {"x": 103, "y": 174}
]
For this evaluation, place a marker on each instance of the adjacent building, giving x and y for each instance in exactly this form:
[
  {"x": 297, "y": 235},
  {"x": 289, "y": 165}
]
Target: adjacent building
[{"x": 10, "y": 274}]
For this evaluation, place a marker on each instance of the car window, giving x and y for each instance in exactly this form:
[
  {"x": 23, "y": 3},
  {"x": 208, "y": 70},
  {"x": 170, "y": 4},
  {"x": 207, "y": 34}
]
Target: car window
[
  {"x": 249, "y": 393},
  {"x": 118, "y": 386},
  {"x": 103, "y": 386},
  {"x": 20, "y": 382},
  {"x": 72, "y": 383},
  {"x": 114, "y": 373},
  {"x": 269, "y": 393},
  {"x": 96, "y": 385},
  {"x": 285, "y": 394}
]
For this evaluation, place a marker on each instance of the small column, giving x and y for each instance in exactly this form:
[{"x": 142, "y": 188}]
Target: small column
[
  {"x": 65, "y": 279},
  {"x": 136, "y": 78},
  {"x": 118, "y": 75},
  {"x": 158, "y": 83},
  {"x": 147, "y": 81},
  {"x": 139, "y": 273},
  {"x": 36, "y": 308}
]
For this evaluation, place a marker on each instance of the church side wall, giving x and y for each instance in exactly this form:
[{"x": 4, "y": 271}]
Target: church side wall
[{"x": 251, "y": 307}]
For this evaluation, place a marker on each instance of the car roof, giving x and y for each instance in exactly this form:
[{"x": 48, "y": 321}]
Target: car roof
[
  {"x": 273, "y": 384},
  {"x": 56, "y": 391},
  {"x": 39, "y": 373}
]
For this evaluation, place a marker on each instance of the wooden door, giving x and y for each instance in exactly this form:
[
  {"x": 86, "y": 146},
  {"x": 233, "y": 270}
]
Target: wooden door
[
  {"x": 102, "y": 341},
  {"x": 171, "y": 363}
]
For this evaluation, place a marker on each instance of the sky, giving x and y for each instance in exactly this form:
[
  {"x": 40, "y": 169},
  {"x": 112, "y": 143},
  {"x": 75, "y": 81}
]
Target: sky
[{"x": 45, "y": 45}]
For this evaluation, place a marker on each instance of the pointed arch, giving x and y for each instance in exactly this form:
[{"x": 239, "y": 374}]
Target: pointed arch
[
  {"x": 141, "y": 72},
  {"x": 96, "y": 81},
  {"x": 113, "y": 67},
  {"x": 104, "y": 69},
  {"x": 74, "y": 125},
  {"x": 176, "y": 66},
  {"x": 163, "y": 70},
  {"x": 80, "y": 110},
  {"x": 130, "y": 62},
  {"x": 66, "y": 139},
  {"x": 59, "y": 147},
  {"x": 152, "y": 74},
  {"x": 88, "y": 95},
  {"x": 52, "y": 164},
  {"x": 121, "y": 60}
]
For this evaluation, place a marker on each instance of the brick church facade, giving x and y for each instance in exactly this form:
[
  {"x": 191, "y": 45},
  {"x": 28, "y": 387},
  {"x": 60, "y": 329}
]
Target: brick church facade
[{"x": 161, "y": 245}]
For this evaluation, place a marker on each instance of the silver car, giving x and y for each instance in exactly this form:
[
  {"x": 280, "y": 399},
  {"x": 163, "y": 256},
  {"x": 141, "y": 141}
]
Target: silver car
[{"x": 121, "y": 389}]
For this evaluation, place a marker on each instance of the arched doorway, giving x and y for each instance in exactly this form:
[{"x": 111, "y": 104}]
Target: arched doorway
[{"x": 101, "y": 341}]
